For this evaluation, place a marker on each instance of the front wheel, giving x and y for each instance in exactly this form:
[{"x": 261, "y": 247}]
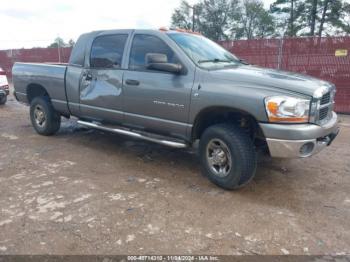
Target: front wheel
[
  {"x": 228, "y": 157},
  {"x": 45, "y": 120}
]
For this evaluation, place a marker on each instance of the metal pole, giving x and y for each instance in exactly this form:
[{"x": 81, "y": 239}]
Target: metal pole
[
  {"x": 280, "y": 53},
  {"x": 193, "y": 7},
  {"x": 280, "y": 49},
  {"x": 193, "y": 18},
  {"x": 59, "y": 51}
]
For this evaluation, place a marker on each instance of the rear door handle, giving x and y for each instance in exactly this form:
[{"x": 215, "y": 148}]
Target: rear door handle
[{"x": 132, "y": 82}]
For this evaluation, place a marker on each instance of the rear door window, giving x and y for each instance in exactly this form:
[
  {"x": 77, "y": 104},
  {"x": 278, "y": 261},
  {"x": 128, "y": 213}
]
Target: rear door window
[{"x": 107, "y": 51}]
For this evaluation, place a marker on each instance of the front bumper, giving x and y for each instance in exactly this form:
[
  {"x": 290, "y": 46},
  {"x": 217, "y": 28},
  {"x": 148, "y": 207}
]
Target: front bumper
[{"x": 303, "y": 140}]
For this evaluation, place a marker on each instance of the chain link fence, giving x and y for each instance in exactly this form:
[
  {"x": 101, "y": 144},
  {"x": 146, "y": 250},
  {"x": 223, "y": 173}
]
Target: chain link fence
[{"x": 326, "y": 58}]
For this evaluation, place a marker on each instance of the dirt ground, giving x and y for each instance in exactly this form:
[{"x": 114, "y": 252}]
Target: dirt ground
[{"x": 88, "y": 192}]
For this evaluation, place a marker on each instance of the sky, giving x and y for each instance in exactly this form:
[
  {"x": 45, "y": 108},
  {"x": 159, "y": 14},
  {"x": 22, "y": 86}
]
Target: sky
[{"x": 36, "y": 23}]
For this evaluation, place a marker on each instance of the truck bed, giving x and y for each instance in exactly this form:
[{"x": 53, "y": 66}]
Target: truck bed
[{"x": 49, "y": 76}]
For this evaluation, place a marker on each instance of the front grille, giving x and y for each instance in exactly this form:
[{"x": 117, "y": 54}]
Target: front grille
[
  {"x": 326, "y": 107},
  {"x": 326, "y": 98},
  {"x": 323, "y": 113}
]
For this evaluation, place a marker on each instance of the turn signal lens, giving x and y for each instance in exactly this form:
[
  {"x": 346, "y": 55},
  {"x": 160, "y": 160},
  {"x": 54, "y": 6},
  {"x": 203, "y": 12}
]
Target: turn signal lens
[{"x": 273, "y": 107}]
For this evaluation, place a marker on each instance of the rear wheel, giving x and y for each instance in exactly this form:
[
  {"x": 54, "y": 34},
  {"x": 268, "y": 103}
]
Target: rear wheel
[
  {"x": 3, "y": 100},
  {"x": 45, "y": 120},
  {"x": 228, "y": 156}
]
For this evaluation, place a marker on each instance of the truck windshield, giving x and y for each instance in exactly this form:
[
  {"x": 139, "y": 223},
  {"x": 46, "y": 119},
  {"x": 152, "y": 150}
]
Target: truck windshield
[{"x": 204, "y": 52}]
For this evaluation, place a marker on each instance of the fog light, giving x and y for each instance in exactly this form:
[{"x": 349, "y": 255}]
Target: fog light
[{"x": 307, "y": 148}]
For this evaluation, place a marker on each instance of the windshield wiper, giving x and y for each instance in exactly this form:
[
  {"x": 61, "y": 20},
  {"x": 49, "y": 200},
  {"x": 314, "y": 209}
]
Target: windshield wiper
[
  {"x": 215, "y": 60},
  {"x": 243, "y": 62}
]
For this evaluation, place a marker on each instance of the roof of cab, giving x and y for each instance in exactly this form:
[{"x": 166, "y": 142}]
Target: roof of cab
[{"x": 162, "y": 29}]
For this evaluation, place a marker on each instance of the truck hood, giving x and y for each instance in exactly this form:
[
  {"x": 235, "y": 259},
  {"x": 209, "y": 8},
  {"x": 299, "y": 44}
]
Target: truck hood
[{"x": 269, "y": 78}]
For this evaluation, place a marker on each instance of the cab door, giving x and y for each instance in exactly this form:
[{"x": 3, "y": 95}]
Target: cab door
[
  {"x": 157, "y": 101},
  {"x": 101, "y": 86}
]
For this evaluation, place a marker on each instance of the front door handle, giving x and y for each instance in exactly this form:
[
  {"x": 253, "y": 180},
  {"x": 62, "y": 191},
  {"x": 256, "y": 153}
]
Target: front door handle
[
  {"x": 88, "y": 77},
  {"x": 132, "y": 82}
]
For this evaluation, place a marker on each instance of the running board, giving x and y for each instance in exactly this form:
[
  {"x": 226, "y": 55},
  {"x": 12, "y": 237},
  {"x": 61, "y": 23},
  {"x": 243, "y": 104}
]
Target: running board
[{"x": 133, "y": 134}]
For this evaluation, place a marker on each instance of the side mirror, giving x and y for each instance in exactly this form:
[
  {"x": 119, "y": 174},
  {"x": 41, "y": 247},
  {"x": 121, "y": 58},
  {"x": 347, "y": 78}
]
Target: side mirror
[
  {"x": 167, "y": 67},
  {"x": 159, "y": 62}
]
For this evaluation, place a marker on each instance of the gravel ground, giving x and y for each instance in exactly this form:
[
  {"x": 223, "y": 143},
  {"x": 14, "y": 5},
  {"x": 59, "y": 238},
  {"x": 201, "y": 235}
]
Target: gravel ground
[{"x": 88, "y": 192}]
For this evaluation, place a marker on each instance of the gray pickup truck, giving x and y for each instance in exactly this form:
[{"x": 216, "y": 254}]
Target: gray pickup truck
[{"x": 175, "y": 88}]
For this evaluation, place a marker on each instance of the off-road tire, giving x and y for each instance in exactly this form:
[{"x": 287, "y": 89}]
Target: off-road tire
[
  {"x": 242, "y": 152},
  {"x": 53, "y": 119},
  {"x": 3, "y": 100}
]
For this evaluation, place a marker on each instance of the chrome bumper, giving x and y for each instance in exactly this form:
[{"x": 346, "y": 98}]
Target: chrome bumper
[
  {"x": 298, "y": 148},
  {"x": 301, "y": 144}
]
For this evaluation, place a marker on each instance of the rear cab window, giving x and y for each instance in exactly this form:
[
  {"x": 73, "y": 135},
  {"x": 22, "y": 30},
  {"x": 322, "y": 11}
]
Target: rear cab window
[{"x": 77, "y": 57}]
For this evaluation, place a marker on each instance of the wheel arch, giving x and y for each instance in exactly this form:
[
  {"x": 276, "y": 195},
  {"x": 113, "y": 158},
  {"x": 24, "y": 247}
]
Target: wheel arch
[
  {"x": 34, "y": 90},
  {"x": 223, "y": 114}
]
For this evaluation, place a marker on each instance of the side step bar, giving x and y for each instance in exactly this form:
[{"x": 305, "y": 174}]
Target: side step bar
[{"x": 134, "y": 134}]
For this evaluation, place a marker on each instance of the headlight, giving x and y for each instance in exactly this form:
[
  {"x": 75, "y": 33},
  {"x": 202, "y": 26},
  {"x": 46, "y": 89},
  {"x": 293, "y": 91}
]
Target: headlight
[{"x": 287, "y": 109}]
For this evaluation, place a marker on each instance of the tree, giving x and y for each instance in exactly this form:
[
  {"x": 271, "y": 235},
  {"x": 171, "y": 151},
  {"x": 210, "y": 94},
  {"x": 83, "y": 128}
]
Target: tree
[
  {"x": 313, "y": 17},
  {"x": 265, "y": 25},
  {"x": 291, "y": 20},
  {"x": 216, "y": 17},
  {"x": 323, "y": 16},
  {"x": 332, "y": 17},
  {"x": 220, "y": 19},
  {"x": 182, "y": 16},
  {"x": 345, "y": 19},
  {"x": 71, "y": 43},
  {"x": 212, "y": 18},
  {"x": 253, "y": 21},
  {"x": 290, "y": 16},
  {"x": 58, "y": 42}
]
